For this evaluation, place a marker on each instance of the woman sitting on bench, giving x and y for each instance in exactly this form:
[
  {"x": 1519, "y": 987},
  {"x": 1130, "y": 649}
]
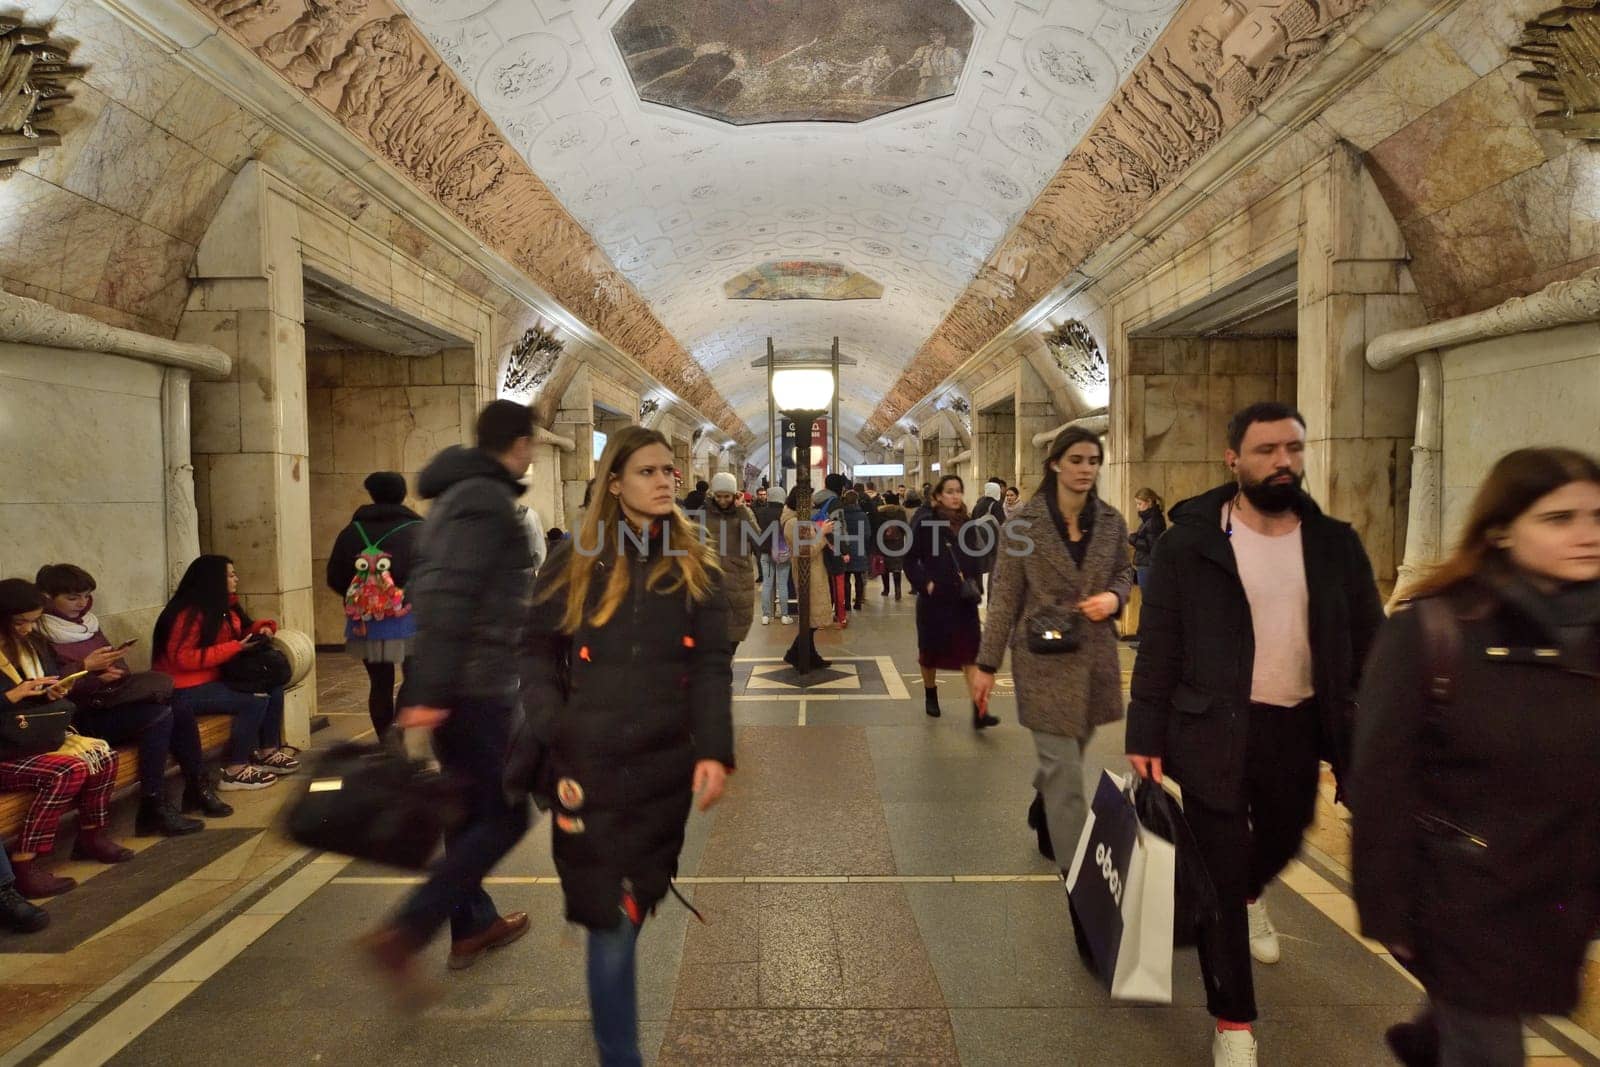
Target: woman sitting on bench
[
  {"x": 79, "y": 769},
  {"x": 202, "y": 627}
]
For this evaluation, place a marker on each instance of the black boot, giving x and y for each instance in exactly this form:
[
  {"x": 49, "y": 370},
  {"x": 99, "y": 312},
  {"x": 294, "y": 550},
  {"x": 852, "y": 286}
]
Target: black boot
[
  {"x": 1416, "y": 1043},
  {"x": 156, "y": 816},
  {"x": 982, "y": 720},
  {"x": 18, "y": 915},
  {"x": 930, "y": 702},
  {"x": 198, "y": 795},
  {"x": 1041, "y": 829}
]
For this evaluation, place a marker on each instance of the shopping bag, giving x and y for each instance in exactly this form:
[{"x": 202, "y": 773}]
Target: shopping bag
[
  {"x": 373, "y": 802},
  {"x": 1120, "y": 888}
]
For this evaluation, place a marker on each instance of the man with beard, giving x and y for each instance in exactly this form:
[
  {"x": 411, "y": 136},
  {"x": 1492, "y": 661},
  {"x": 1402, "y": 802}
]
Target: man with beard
[{"x": 1257, "y": 619}]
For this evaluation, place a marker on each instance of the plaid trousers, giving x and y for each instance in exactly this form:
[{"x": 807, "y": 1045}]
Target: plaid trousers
[{"x": 55, "y": 780}]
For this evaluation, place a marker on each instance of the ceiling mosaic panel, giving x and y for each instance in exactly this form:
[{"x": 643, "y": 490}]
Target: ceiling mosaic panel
[
  {"x": 802, "y": 279},
  {"x": 750, "y": 61},
  {"x": 916, "y": 198}
]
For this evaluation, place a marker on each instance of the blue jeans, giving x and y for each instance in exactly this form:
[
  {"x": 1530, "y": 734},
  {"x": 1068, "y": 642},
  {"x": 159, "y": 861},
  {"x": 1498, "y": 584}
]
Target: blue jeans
[
  {"x": 257, "y": 717},
  {"x": 774, "y": 573},
  {"x": 471, "y": 745},
  {"x": 613, "y": 996}
]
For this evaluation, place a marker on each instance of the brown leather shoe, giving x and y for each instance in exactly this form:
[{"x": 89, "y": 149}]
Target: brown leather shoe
[
  {"x": 503, "y": 931},
  {"x": 392, "y": 951}
]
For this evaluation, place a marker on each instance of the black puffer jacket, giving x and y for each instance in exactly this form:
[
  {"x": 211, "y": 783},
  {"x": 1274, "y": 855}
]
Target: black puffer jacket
[
  {"x": 625, "y": 711},
  {"x": 470, "y": 582},
  {"x": 1191, "y": 683},
  {"x": 383, "y": 523},
  {"x": 1477, "y": 822},
  {"x": 1152, "y": 524}
]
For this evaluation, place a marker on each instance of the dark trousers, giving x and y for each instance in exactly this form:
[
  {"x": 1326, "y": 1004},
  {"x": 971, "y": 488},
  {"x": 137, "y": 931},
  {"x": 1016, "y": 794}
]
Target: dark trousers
[
  {"x": 257, "y": 717},
  {"x": 380, "y": 693},
  {"x": 149, "y": 726},
  {"x": 859, "y": 580},
  {"x": 471, "y": 745},
  {"x": 1472, "y": 1039},
  {"x": 896, "y": 576},
  {"x": 1245, "y": 850}
]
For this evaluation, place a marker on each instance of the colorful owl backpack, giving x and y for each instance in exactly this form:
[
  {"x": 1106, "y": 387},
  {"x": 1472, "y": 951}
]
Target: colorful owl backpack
[{"x": 373, "y": 595}]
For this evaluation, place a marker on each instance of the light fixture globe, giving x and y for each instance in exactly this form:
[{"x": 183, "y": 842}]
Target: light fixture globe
[{"x": 802, "y": 388}]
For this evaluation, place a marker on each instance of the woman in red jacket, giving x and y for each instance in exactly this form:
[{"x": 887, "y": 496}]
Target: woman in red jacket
[{"x": 202, "y": 627}]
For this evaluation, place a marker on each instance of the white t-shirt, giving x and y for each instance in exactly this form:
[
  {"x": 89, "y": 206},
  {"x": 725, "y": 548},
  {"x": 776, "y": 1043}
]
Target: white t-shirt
[{"x": 1273, "y": 572}]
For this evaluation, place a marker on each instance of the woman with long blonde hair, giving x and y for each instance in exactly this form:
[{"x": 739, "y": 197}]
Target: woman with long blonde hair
[{"x": 628, "y": 684}]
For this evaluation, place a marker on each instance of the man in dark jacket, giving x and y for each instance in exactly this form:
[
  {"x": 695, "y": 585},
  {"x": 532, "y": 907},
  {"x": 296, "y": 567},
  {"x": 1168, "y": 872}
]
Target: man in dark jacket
[
  {"x": 1256, "y": 623},
  {"x": 470, "y": 588}
]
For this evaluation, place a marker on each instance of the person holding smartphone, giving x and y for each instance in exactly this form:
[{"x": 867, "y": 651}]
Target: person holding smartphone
[
  {"x": 80, "y": 772},
  {"x": 202, "y": 627},
  {"x": 122, "y": 706}
]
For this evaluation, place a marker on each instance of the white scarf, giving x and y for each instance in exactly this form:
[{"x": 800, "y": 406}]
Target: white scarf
[{"x": 60, "y": 631}]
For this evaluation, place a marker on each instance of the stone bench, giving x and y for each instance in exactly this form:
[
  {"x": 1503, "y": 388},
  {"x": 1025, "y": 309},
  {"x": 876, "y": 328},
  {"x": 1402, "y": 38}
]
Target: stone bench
[{"x": 214, "y": 732}]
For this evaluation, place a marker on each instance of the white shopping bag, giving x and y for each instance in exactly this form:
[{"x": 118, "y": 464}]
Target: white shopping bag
[{"x": 1121, "y": 886}]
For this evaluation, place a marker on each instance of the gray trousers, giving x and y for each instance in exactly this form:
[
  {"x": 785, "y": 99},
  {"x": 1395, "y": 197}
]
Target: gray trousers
[
  {"x": 1059, "y": 781},
  {"x": 1471, "y": 1039}
]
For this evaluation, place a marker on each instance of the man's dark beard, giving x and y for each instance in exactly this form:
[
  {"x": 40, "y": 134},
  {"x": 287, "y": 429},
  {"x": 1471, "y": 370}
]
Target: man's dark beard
[{"x": 1272, "y": 499}]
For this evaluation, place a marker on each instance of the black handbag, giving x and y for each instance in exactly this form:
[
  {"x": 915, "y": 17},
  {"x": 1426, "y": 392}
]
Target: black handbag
[
  {"x": 971, "y": 588},
  {"x": 257, "y": 670},
  {"x": 371, "y": 801},
  {"x": 29, "y": 729},
  {"x": 1052, "y": 631},
  {"x": 141, "y": 687}
]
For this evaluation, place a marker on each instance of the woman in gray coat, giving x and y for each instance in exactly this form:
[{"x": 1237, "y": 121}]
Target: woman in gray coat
[{"x": 1077, "y": 573}]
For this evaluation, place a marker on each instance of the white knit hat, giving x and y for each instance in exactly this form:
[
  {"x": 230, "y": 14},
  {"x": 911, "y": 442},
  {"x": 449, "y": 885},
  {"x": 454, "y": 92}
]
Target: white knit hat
[{"x": 724, "y": 482}]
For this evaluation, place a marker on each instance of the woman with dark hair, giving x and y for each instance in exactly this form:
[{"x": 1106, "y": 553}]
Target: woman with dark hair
[
  {"x": 1074, "y": 581},
  {"x": 940, "y": 567},
  {"x": 81, "y": 770},
  {"x": 889, "y": 538},
  {"x": 1476, "y": 806},
  {"x": 806, "y": 540},
  {"x": 855, "y": 547},
  {"x": 628, "y": 685},
  {"x": 368, "y": 566},
  {"x": 202, "y": 627}
]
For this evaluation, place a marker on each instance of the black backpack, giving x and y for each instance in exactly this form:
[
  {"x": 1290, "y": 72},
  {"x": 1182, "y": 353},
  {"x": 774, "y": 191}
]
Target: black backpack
[{"x": 257, "y": 670}]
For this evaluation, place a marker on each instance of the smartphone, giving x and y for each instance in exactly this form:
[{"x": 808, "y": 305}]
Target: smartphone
[
  {"x": 72, "y": 678},
  {"x": 129, "y": 643}
]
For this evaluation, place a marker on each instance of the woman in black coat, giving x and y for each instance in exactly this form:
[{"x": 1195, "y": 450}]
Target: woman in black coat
[
  {"x": 938, "y": 567},
  {"x": 627, "y": 682},
  {"x": 855, "y": 542},
  {"x": 1152, "y": 524},
  {"x": 1475, "y": 799}
]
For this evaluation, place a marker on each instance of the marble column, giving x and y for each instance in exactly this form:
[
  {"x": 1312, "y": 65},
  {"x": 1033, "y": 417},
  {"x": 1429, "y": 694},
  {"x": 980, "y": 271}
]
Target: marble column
[
  {"x": 994, "y": 445},
  {"x": 1355, "y": 285},
  {"x": 1035, "y": 413},
  {"x": 575, "y": 419},
  {"x": 250, "y": 447},
  {"x": 182, "y": 519}
]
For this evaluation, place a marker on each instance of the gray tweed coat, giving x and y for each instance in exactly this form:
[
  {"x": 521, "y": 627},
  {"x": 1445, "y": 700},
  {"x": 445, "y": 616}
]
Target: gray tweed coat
[{"x": 1068, "y": 693}]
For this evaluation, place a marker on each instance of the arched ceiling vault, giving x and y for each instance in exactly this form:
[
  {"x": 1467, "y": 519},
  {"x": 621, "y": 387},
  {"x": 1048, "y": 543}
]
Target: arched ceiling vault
[{"x": 972, "y": 104}]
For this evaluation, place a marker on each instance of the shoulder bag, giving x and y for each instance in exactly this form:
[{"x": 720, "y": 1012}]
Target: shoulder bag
[
  {"x": 971, "y": 590},
  {"x": 1056, "y": 629},
  {"x": 29, "y": 729}
]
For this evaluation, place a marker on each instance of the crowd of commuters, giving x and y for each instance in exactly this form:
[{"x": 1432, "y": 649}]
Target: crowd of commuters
[{"x": 1263, "y": 654}]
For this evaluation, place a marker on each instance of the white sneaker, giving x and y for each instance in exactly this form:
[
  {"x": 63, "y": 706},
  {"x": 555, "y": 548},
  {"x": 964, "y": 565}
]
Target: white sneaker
[
  {"x": 1264, "y": 946},
  {"x": 1233, "y": 1048},
  {"x": 766, "y": 620},
  {"x": 788, "y": 620}
]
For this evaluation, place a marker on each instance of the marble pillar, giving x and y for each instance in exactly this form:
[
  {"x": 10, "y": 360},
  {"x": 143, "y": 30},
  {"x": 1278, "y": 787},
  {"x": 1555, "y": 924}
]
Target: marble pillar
[
  {"x": 994, "y": 444},
  {"x": 1035, "y": 413},
  {"x": 575, "y": 419},
  {"x": 250, "y": 445}
]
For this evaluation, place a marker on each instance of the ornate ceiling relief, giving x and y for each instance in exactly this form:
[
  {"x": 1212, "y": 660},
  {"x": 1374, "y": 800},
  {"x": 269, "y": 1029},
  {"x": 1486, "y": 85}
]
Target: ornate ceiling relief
[
  {"x": 1212, "y": 65},
  {"x": 33, "y": 76},
  {"x": 1073, "y": 348},
  {"x": 751, "y": 61},
  {"x": 531, "y": 362},
  {"x": 802, "y": 280},
  {"x": 367, "y": 65},
  {"x": 1563, "y": 47}
]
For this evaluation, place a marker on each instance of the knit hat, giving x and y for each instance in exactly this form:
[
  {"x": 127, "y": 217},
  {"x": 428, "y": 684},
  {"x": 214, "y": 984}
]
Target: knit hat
[
  {"x": 724, "y": 482},
  {"x": 386, "y": 487}
]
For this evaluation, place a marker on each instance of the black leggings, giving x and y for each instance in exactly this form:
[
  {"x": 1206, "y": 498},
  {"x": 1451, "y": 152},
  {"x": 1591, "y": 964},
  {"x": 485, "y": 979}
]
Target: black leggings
[
  {"x": 891, "y": 574},
  {"x": 380, "y": 697}
]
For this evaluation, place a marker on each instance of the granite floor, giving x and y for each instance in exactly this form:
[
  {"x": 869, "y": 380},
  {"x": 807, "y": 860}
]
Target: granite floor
[{"x": 871, "y": 891}]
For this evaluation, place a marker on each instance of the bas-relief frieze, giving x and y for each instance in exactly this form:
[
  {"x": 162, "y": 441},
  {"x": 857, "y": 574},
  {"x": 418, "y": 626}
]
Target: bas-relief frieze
[
  {"x": 367, "y": 65},
  {"x": 1214, "y": 64}
]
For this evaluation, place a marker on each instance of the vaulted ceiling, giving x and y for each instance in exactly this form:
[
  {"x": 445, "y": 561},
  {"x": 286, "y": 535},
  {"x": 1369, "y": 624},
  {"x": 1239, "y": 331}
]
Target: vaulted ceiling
[{"x": 911, "y": 135}]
